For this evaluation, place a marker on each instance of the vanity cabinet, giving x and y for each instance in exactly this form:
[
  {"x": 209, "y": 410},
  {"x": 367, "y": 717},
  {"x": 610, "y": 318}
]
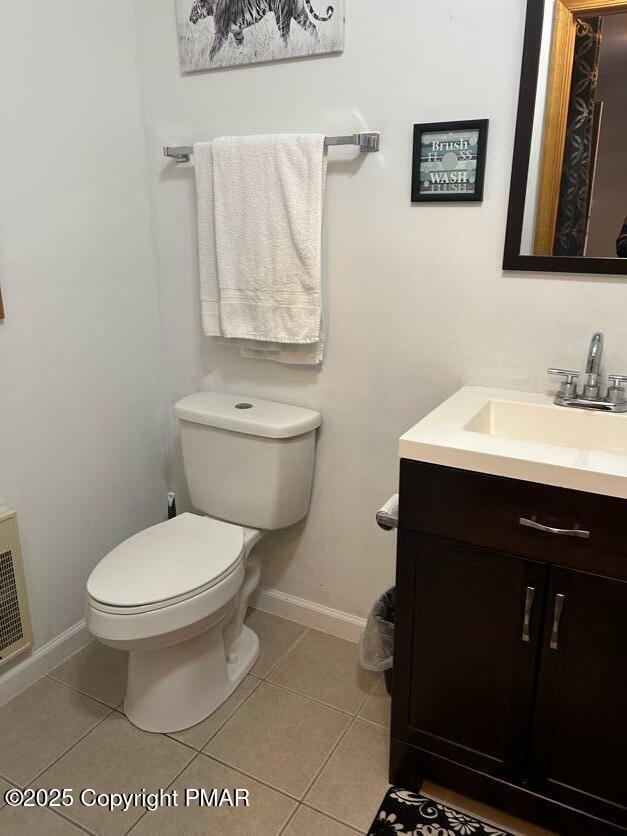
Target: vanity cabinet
[
  {"x": 510, "y": 665},
  {"x": 579, "y": 741}
]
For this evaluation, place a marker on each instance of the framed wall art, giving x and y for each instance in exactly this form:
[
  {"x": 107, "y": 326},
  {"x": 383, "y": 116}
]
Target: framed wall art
[
  {"x": 449, "y": 161},
  {"x": 228, "y": 33}
]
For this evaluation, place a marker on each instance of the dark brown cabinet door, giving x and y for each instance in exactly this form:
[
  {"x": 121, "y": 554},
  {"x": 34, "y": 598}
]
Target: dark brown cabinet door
[
  {"x": 468, "y": 631},
  {"x": 579, "y": 742}
]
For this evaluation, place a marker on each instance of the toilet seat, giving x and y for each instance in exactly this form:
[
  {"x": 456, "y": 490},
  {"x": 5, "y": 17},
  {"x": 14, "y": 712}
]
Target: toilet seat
[
  {"x": 166, "y": 564},
  {"x": 195, "y": 594}
]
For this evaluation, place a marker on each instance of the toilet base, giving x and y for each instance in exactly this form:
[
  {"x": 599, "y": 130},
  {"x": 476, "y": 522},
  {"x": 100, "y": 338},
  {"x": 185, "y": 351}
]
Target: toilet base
[{"x": 172, "y": 688}]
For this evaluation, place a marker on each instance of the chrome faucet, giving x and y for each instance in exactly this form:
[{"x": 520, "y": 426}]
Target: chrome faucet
[
  {"x": 592, "y": 387},
  {"x": 615, "y": 398}
]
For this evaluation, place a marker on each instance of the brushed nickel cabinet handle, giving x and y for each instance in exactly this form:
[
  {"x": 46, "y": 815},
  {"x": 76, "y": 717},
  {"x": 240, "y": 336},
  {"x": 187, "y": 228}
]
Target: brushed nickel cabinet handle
[
  {"x": 557, "y": 617},
  {"x": 526, "y": 632},
  {"x": 547, "y": 529}
]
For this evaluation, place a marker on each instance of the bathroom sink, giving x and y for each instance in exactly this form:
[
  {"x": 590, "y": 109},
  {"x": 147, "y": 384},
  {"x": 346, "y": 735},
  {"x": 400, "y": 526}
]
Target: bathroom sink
[
  {"x": 523, "y": 435},
  {"x": 551, "y": 425}
]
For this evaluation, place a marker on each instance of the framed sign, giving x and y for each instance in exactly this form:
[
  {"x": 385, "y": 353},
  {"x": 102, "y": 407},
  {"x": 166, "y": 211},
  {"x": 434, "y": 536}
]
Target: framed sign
[{"x": 449, "y": 161}]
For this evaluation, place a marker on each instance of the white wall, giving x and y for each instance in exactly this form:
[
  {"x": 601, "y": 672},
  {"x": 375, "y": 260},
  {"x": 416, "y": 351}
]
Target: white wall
[
  {"x": 81, "y": 428},
  {"x": 417, "y": 298}
]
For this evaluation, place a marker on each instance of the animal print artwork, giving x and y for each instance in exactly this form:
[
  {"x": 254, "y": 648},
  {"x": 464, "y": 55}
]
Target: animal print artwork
[{"x": 227, "y": 33}]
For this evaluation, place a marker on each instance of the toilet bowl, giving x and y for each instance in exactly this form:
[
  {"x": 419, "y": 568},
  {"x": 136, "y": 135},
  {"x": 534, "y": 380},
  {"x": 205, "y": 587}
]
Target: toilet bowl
[{"x": 174, "y": 596}]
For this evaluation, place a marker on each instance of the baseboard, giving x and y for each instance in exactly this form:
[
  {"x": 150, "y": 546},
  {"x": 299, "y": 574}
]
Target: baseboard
[
  {"x": 309, "y": 614},
  {"x": 41, "y": 661}
]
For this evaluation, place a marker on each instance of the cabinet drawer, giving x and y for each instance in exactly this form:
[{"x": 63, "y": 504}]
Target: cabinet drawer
[{"x": 485, "y": 511}]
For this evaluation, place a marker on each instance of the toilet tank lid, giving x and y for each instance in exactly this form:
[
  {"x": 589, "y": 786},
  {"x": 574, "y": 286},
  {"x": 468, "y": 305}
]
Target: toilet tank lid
[{"x": 243, "y": 414}]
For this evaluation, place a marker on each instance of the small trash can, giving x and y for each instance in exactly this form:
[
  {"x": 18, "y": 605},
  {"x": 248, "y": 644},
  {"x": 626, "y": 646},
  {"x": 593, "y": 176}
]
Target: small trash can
[{"x": 376, "y": 645}]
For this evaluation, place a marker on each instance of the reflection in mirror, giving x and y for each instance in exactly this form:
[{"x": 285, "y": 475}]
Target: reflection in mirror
[{"x": 576, "y": 201}]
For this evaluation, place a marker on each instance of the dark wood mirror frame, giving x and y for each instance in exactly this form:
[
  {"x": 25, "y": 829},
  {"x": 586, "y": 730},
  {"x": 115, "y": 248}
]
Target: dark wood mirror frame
[{"x": 512, "y": 259}]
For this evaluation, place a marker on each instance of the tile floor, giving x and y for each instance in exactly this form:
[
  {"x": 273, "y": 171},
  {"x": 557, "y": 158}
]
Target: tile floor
[{"x": 306, "y": 733}]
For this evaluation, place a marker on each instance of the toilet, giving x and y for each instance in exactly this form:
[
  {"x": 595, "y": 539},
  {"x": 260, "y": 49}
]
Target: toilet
[{"x": 175, "y": 595}]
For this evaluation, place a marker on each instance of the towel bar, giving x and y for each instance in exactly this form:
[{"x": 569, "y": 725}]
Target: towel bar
[{"x": 369, "y": 141}]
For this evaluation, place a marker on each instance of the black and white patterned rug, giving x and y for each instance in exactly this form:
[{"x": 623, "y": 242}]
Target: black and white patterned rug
[{"x": 403, "y": 812}]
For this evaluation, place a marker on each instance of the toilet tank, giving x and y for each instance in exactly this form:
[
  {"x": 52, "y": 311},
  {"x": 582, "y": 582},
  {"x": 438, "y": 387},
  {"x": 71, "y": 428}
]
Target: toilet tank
[{"x": 248, "y": 461}]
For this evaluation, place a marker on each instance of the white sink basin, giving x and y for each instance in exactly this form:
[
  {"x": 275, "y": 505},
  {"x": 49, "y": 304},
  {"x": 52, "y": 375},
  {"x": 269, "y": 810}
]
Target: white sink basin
[
  {"x": 552, "y": 425},
  {"x": 523, "y": 435}
]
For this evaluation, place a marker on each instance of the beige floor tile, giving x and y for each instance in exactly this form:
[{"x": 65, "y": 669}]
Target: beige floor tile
[
  {"x": 279, "y": 737},
  {"x": 276, "y": 636},
  {"x": 378, "y": 706},
  {"x": 352, "y": 784},
  {"x": 96, "y": 670},
  {"x": 40, "y": 724},
  {"x": 482, "y": 811},
  {"x": 199, "y": 735},
  {"x": 308, "y": 822},
  {"x": 266, "y": 815},
  {"x": 116, "y": 757},
  {"x": 325, "y": 668},
  {"x": 19, "y": 821}
]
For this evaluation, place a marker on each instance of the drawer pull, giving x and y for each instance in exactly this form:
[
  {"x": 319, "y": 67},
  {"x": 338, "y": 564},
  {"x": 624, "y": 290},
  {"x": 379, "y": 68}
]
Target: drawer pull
[
  {"x": 547, "y": 529},
  {"x": 557, "y": 616},
  {"x": 526, "y": 632}
]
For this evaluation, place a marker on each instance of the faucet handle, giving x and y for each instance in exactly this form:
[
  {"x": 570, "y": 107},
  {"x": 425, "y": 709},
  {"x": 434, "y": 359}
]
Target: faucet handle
[
  {"x": 571, "y": 377},
  {"x": 569, "y": 386},
  {"x": 616, "y": 392}
]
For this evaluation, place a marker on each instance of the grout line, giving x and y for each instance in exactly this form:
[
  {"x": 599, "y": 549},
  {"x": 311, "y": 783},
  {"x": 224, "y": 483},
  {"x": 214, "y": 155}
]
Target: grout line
[
  {"x": 249, "y": 775},
  {"x": 78, "y": 691},
  {"x": 173, "y": 781},
  {"x": 335, "y": 748},
  {"x": 71, "y": 821},
  {"x": 30, "y": 783},
  {"x": 372, "y": 723},
  {"x": 326, "y": 815},
  {"x": 306, "y": 632},
  {"x": 76, "y": 742},
  {"x": 342, "y": 821},
  {"x": 370, "y": 692},
  {"x": 65, "y": 751},
  {"x": 221, "y": 726},
  {"x": 54, "y": 811},
  {"x": 328, "y": 758},
  {"x": 282, "y": 658},
  {"x": 289, "y": 819},
  {"x": 331, "y": 816},
  {"x": 307, "y": 697},
  {"x": 169, "y": 737}
]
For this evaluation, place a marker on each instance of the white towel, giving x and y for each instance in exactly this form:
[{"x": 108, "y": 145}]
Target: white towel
[
  {"x": 260, "y": 205},
  {"x": 207, "y": 263}
]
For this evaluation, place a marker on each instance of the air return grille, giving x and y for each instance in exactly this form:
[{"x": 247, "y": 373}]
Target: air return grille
[{"x": 15, "y": 630}]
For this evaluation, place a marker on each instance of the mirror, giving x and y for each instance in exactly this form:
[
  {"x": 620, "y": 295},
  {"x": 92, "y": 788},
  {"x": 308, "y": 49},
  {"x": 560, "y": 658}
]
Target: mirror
[{"x": 568, "y": 200}]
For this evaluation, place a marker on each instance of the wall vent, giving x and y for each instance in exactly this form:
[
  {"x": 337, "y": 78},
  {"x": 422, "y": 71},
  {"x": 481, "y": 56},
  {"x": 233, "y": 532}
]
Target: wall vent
[{"x": 15, "y": 626}]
